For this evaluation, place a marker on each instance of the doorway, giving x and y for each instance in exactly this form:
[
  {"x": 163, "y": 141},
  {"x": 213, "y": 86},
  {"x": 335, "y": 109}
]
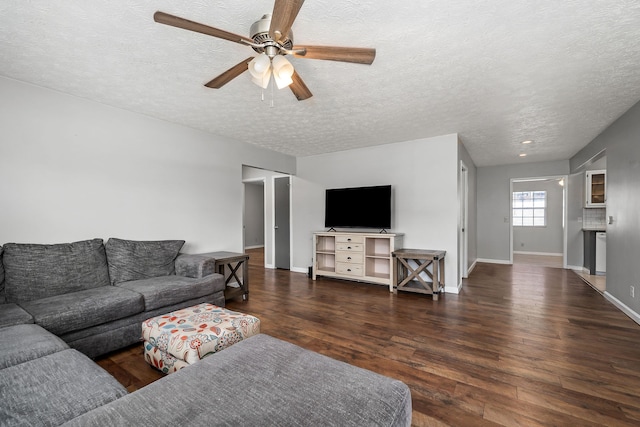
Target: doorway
[
  {"x": 538, "y": 221},
  {"x": 282, "y": 218},
  {"x": 463, "y": 226},
  {"x": 253, "y": 214},
  {"x": 269, "y": 179}
]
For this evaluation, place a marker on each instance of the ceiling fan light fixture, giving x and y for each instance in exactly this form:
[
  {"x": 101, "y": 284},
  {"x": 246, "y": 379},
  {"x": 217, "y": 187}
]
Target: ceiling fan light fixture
[
  {"x": 282, "y": 71},
  {"x": 262, "y": 81},
  {"x": 259, "y": 66}
]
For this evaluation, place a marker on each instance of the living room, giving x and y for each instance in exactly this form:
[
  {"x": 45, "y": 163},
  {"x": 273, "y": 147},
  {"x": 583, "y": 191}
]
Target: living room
[{"x": 73, "y": 168}]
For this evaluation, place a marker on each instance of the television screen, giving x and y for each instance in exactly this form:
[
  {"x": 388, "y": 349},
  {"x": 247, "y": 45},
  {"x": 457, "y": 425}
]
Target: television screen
[{"x": 361, "y": 207}]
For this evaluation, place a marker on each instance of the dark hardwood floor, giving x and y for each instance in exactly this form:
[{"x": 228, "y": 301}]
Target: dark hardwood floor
[{"x": 520, "y": 345}]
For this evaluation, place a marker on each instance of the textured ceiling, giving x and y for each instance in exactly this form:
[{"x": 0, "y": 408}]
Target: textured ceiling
[{"x": 496, "y": 72}]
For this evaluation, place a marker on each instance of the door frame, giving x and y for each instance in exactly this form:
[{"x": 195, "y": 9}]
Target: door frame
[
  {"x": 264, "y": 211},
  {"x": 565, "y": 218},
  {"x": 463, "y": 240}
]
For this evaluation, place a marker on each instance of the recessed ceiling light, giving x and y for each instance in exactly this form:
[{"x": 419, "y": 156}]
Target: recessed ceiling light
[
  {"x": 527, "y": 142},
  {"x": 523, "y": 155}
]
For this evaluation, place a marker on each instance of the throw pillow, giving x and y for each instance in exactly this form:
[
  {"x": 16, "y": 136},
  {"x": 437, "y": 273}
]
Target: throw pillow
[{"x": 135, "y": 260}]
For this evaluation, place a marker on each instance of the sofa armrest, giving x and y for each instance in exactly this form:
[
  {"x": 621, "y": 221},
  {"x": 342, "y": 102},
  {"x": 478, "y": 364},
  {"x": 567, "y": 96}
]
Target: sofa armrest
[{"x": 195, "y": 265}]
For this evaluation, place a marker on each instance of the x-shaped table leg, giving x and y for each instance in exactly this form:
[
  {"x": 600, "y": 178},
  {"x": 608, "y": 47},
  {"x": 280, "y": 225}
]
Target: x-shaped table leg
[
  {"x": 233, "y": 271},
  {"x": 415, "y": 274}
]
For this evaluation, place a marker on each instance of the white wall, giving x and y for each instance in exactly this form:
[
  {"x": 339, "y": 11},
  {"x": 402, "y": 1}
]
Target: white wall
[
  {"x": 424, "y": 178},
  {"x": 72, "y": 169}
]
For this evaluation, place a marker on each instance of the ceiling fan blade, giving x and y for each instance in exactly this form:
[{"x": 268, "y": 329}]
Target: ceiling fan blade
[
  {"x": 175, "y": 21},
  {"x": 299, "y": 89},
  {"x": 230, "y": 74},
  {"x": 359, "y": 55},
  {"x": 284, "y": 13}
]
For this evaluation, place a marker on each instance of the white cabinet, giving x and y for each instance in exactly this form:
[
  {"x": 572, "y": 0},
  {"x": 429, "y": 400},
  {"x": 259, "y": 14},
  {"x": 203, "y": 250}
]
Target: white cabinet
[
  {"x": 364, "y": 257},
  {"x": 596, "y": 189},
  {"x": 601, "y": 253}
]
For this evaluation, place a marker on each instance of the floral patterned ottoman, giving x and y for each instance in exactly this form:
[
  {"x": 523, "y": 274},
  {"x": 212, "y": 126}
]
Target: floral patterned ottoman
[{"x": 183, "y": 337}]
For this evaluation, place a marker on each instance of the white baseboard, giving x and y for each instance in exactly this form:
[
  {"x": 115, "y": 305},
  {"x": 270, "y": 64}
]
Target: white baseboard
[
  {"x": 453, "y": 289},
  {"x": 300, "y": 270},
  {"x": 578, "y": 268},
  {"x": 537, "y": 253},
  {"x": 494, "y": 261},
  {"x": 472, "y": 267},
  {"x": 623, "y": 307},
  {"x": 254, "y": 247},
  {"x": 271, "y": 266}
]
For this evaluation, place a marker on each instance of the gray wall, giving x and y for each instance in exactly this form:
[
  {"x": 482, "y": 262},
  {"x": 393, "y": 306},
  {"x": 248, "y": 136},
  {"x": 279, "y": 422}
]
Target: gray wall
[
  {"x": 546, "y": 239},
  {"x": 494, "y": 204},
  {"x": 622, "y": 143},
  {"x": 253, "y": 214}
]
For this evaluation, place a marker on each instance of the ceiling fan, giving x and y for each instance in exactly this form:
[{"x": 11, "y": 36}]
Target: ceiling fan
[{"x": 272, "y": 39}]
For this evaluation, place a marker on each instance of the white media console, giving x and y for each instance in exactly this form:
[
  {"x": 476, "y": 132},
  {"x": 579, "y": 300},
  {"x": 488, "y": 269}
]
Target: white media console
[{"x": 364, "y": 257}]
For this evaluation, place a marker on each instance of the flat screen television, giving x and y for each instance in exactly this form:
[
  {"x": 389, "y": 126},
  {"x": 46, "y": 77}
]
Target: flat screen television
[{"x": 358, "y": 207}]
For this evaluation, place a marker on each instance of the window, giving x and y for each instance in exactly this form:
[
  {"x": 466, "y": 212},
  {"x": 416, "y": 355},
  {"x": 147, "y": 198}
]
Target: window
[{"x": 529, "y": 208}]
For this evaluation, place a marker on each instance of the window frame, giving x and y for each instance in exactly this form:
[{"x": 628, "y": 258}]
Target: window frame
[{"x": 532, "y": 209}]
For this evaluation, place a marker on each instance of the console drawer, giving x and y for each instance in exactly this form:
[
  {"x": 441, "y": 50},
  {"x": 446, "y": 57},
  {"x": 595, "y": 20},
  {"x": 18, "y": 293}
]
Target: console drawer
[
  {"x": 349, "y": 239},
  {"x": 349, "y": 257},
  {"x": 348, "y": 269},
  {"x": 350, "y": 247}
]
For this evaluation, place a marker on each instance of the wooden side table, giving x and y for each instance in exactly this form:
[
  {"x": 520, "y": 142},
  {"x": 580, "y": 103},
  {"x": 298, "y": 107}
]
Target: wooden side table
[
  {"x": 228, "y": 264},
  {"x": 407, "y": 278}
]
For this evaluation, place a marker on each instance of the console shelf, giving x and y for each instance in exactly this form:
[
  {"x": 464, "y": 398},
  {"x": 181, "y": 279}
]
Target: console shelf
[{"x": 364, "y": 257}]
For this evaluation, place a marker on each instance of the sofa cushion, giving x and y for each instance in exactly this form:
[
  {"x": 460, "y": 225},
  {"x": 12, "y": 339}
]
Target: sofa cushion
[
  {"x": 53, "y": 389},
  {"x": 2, "y": 298},
  {"x": 83, "y": 309},
  {"x": 135, "y": 260},
  {"x": 21, "y": 343},
  {"x": 168, "y": 290},
  {"x": 262, "y": 381},
  {"x": 34, "y": 271},
  {"x": 12, "y": 314}
]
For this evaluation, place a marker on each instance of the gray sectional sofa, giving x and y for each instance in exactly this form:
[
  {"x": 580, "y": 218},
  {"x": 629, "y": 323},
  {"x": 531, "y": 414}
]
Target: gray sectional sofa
[
  {"x": 60, "y": 301},
  {"x": 95, "y": 296}
]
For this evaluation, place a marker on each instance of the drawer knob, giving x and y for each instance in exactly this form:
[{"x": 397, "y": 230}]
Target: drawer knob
[
  {"x": 348, "y": 269},
  {"x": 348, "y": 247},
  {"x": 348, "y": 257},
  {"x": 348, "y": 240}
]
